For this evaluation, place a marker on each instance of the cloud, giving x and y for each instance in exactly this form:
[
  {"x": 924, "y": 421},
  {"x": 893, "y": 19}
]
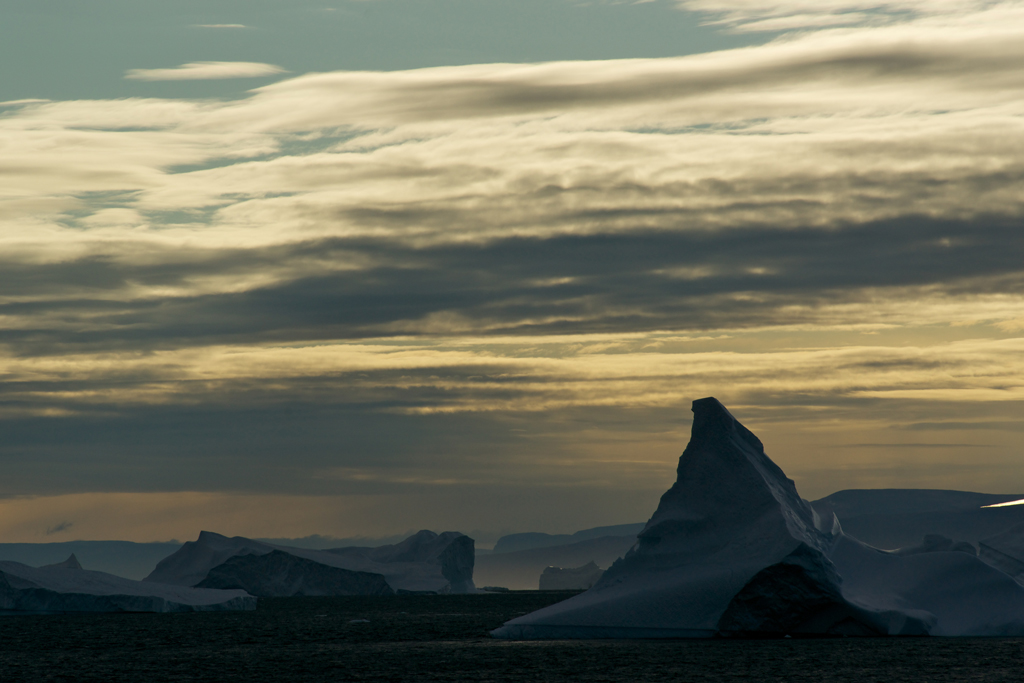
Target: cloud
[
  {"x": 195, "y": 71},
  {"x": 375, "y": 283},
  {"x": 56, "y": 529},
  {"x": 779, "y": 15}
]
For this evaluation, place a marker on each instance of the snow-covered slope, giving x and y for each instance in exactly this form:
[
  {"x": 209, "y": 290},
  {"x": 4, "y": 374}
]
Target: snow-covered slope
[
  {"x": 72, "y": 589},
  {"x": 732, "y": 550},
  {"x": 426, "y": 561}
]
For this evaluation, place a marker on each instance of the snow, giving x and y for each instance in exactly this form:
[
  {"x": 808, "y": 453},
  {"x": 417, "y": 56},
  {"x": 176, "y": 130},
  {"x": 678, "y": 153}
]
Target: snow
[
  {"x": 733, "y": 550},
  {"x": 424, "y": 562},
  {"x": 69, "y": 589},
  {"x": 1004, "y": 505}
]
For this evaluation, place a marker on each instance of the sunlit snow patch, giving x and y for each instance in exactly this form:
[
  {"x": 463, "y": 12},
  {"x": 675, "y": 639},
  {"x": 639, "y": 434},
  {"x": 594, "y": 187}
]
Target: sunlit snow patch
[{"x": 1004, "y": 505}]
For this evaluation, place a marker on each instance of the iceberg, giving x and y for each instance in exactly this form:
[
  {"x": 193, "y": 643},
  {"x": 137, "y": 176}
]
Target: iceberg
[
  {"x": 70, "y": 563},
  {"x": 733, "y": 550},
  {"x": 511, "y": 543},
  {"x": 278, "y": 574},
  {"x": 66, "y": 587},
  {"x": 570, "y": 578},
  {"x": 897, "y": 518},
  {"x": 121, "y": 558},
  {"x": 424, "y": 562},
  {"x": 519, "y": 569}
]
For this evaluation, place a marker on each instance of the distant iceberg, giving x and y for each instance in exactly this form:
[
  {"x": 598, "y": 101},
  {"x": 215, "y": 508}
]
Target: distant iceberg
[
  {"x": 66, "y": 587},
  {"x": 425, "y": 562},
  {"x": 278, "y": 574},
  {"x": 570, "y": 578},
  {"x": 733, "y": 550}
]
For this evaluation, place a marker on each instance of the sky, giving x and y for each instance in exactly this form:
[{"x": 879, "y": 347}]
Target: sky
[{"x": 360, "y": 267}]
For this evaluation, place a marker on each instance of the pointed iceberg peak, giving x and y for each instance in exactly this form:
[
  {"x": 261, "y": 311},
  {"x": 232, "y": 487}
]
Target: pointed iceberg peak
[
  {"x": 713, "y": 420},
  {"x": 70, "y": 563},
  {"x": 727, "y": 486},
  {"x": 710, "y": 415}
]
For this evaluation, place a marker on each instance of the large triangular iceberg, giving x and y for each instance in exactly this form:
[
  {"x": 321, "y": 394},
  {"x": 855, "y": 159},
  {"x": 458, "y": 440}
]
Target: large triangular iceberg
[{"x": 734, "y": 550}]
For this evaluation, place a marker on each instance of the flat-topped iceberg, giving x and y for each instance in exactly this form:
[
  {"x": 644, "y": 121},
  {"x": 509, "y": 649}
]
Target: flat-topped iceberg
[
  {"x": 733, "y": 550},
  {"x": 570, "y": 578},
  {"x": 278, "y": 574},
  {"x": 424, "y": 562},
  {"x": 66, "y": 587}
]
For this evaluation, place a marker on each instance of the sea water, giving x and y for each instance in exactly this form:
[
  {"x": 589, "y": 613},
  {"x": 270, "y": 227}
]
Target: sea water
[{"x": 445, "y": 638}]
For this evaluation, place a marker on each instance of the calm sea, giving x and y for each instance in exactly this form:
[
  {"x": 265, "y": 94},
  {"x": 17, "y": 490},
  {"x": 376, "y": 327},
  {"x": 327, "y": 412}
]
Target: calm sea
[{"x": 444, "y": 638}]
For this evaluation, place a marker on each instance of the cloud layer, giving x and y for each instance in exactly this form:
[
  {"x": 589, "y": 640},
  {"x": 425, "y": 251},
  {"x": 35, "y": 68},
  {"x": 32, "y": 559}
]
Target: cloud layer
[
  {"x": 511, "y": 277},
  {"x": 202, "y": 71}
]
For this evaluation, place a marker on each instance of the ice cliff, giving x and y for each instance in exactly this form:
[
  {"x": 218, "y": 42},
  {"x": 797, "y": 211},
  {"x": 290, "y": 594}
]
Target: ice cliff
[
  {"x": 733, "y": 550},
  {"x": 424, "y": 562},
  {"x": 66, "y": 587}
]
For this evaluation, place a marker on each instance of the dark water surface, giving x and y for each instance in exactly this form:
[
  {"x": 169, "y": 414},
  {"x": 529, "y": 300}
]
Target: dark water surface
[{"x": 444, "y": 638}]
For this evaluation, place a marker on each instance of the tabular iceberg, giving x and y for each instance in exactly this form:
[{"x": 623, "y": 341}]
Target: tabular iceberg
[
  {"x": 733, "y": 550},
  {"x": 66, "y": 587},
  {"x": 570, "y": 578},
  {"x": 424, "y": 562}
]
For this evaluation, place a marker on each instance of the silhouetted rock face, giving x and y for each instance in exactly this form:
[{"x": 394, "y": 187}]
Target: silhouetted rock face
[
  {"x": 570, "y": 578},
  {"x": 278, "y": 574}
]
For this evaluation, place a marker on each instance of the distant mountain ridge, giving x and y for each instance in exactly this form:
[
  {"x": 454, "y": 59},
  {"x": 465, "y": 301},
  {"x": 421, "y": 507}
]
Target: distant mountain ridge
[{"x": 120, "y": 558}]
